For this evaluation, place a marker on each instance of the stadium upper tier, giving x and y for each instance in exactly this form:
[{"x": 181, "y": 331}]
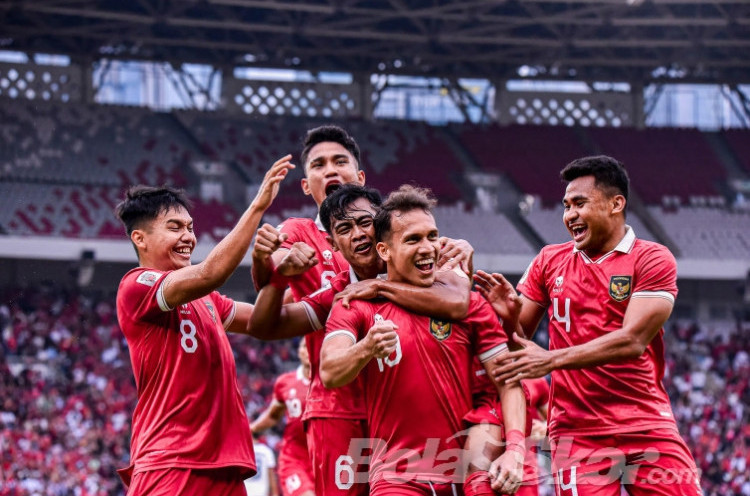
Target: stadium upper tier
[{"x": 63, "y": 168}]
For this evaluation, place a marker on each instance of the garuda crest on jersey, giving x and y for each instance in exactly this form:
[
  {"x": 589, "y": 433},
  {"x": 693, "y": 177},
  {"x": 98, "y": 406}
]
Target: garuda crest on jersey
[
  {"x": 441, "y": 329},
  {"x": 619, "y": 287}
]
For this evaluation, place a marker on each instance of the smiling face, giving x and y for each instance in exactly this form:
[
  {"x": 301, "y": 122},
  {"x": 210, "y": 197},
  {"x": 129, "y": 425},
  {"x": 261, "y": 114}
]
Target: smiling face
[
  {"x": 354, "y": 237},
  {"x": 328, "y": 166},
  {"x": 167, "y": 242},
  {"x": 411, "y": 250},
  {"x": 594, "y": 219}
]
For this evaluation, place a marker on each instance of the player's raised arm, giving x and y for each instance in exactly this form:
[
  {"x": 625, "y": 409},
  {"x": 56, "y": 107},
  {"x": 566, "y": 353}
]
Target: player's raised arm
[{"x": 194, "y": 281}]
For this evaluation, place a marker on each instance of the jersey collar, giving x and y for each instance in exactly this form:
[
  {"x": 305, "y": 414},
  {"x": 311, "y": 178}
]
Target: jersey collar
[
  {"x": 301, "y": 375},
  {"x": 624, "y": 246},
  {"x": 319, "y": 223},
  {"x": 353, "y": 276}
]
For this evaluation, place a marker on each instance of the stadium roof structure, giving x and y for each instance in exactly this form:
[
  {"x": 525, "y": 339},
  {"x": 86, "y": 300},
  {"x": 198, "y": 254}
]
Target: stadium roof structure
[{"x": 636, "y": 41}]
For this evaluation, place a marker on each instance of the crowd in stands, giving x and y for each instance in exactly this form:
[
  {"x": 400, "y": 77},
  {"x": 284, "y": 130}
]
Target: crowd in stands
[{"x": 68, "y": 393}]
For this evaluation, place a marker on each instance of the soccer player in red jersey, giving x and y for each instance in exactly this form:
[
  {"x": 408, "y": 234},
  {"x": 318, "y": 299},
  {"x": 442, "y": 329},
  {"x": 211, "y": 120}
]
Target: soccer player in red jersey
[
  {"x": 331, "y": 157},
  {"x": 348, "y": 215},
  {"x": 190, "y": 433},
  {"x": 607, "y": 294},
  {"x": 289, "y": 396},
  {"x": 417, "y": 369}
]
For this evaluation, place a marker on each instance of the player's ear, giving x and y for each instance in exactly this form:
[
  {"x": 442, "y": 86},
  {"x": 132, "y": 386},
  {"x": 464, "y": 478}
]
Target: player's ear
[
  {"x": 137, "y": 237},
  {"x": 361, "y": 177},
  {"x": 331, "y": 242},
  {"x": 618, "y": 204},
  {"x": 383, "y": 251},
  {"x": 305, "y": 186}
]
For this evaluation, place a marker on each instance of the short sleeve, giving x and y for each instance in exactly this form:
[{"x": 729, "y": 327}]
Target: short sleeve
[
  {"x": 318, "y": 306},
  {"x": 656, "y": 274},
  {"x": 140, "y": 294},
  {"x": 343, "y": 321},
  {"x": 278, "y": 387},
  {"x": 531, "y": 284},
  {"x": 490, "y": 338},
  {"x": 226, "y": 308}
]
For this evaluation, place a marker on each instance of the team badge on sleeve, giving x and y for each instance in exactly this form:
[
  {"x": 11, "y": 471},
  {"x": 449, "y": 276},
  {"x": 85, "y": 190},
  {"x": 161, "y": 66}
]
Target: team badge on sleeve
[
  {"x": 440, "y": 329},
  {"x": 148, "y": 278},
  {"x": 619, "y": 287},
  {"x": 210, "y": 307}
]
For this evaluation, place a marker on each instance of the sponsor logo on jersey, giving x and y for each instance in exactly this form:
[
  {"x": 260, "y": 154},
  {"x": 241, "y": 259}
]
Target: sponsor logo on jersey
[
  {"x": 210, "y": 307},
  {"x": 148, "y": 278},
  {"x": 558, "y": 284},
  {"x": 440, "y": 329},
  {"x": 327, "y": 257},
  {"x": 619, "y": 287}
]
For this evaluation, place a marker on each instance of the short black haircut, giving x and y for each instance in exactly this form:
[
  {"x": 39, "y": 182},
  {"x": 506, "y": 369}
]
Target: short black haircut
[
  {"x": 332, "y": 133},
  {"x": 405, "y": 199},
  {"x": 145, "y": 203},
  {"x": 609, "y": 174},
  {"x": 336, "y": 204}
]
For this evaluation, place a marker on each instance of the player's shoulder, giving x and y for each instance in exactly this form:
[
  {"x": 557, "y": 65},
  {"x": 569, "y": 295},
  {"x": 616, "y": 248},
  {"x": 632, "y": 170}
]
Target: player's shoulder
[
  {"x": 141, "y": 276},
  {"x": 643, "y": 247},
  {"x": 557, "y": 250},
  {"x": 287, "y": 377},
  {"x": 293, "y": 223}
]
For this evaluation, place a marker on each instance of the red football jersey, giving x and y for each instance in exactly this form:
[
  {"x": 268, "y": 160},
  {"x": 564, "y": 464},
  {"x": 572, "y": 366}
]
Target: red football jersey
[
  {"x": 329, "y": 264},
  {"x": 189, "y": 412},
  {"x": 416, "y": 397},
  {"x": 538, "y": 394},
  {"x": 291, "y": 390},
  {"x": 587, "y": 299},
  {"x": 344, "y": 402}
]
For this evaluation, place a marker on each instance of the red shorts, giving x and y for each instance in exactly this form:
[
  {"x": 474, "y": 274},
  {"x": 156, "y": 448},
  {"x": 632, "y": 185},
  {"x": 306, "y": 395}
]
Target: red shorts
[
  {"x": 383, "y": 487},
  {"x": 337, "y": 469},
  {"x": 653, "y": 462},
  {"x": 295, "y": 477},
  {"x": 187, "y": 481}
]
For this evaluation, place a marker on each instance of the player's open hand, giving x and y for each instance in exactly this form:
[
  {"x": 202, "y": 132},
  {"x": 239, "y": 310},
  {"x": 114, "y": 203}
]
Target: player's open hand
[
  {"x": 501, "y": 295},
  {"x": 362, "y": 290},
  {"x": 381, "y": 339},
  {"x": 529, "y": 362},
  {"x": 269, "y": 188},
  {"x": 506, "y": 472},
  {"x": 268, "y": 239},
  {"x": 456, "y": 253},
  {"x": 298, "y": 259}
]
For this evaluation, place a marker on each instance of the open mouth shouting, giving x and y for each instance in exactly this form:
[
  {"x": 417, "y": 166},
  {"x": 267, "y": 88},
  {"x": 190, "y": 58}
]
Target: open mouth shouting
[
  {"x": 332, "y": 186},
  {"x": 426, "y": 265},
  {"x": 578, "y": 231},
  {"x": 363, "y": 248}
]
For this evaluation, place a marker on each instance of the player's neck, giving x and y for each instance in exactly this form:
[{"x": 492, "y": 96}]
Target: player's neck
[{"x": 613, "y": 240}]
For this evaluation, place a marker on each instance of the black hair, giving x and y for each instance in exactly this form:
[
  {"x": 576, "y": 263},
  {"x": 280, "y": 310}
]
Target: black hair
[
  {"x": 336, "y": 204},
  {"x": 145, "y": 203},
  {"x": 329, "y": 132},
  {"x": 609, "y": 174},
  {"x": 404, "y": 199}
]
